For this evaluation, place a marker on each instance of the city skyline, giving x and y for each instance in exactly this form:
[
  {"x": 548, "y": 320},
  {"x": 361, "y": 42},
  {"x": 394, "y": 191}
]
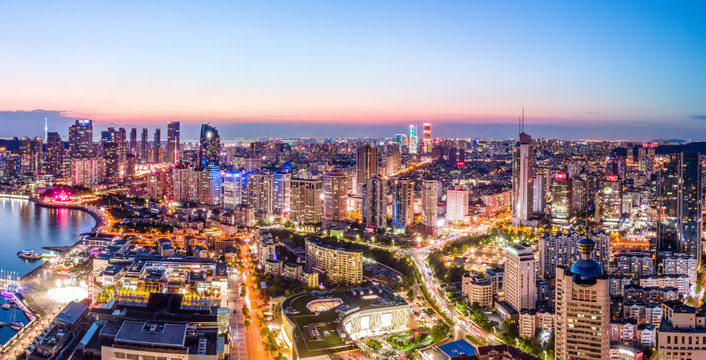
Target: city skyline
[{"x": 579, "y": 70}]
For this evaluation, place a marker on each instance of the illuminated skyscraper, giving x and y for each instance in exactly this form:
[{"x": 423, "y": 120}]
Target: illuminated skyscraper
[
  {"x": 81, "y": 139},
  {"x": 609, "y": 203},
  {"x": 133, "y": 141},
  {"x": 366, "y": 164},
  {"x": 54, "y": 150},
  {"x": 689, "y": 211},
  {"x": 430, "y": 203},
  {"x": 335, "y": 186},
  {"x": 427, "y": 138},
  {"x": 375, "y": 203},
  {"x": 157, "y": 146},
  {"x": 520, "y": 277},
  {"x": 173, "y": 135},
  {"x": 209, "y": 147},
  {"x": 522, "y": 179},
  {"x": 232, "y": 190},
  {"x": 561, "y": 199},
  {"x": 582, "y": 308},
  {"x": 402, "y": 205},
  {"x": 412, "y": 139},
  {"x": 112, "y": 160},
  {"x": 306, "y": 201},
  {"x": 456, "y": 204},
  {"x": 281, "y": 192},
  {"x": 144, "y": 147}
]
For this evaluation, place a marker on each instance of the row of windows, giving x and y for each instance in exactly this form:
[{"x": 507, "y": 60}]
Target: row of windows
[
  {"x": 683, "y": 340},
  {"x": 122, "y": 355}
]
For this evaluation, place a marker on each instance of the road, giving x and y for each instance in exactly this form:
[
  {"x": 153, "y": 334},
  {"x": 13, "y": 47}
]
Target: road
[
  {"x": 238, "y": 343},
  {"x": 253, "y": 340}
]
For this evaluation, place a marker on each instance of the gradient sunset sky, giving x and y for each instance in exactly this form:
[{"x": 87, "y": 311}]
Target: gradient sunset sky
[{"x": 630, "y": 69}]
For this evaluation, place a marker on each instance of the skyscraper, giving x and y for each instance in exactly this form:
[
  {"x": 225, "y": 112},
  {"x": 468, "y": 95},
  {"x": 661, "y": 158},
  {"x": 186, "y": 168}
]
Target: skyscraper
[
  {"x": 144, "y": 147},
  {"x": 366, "y": 164},
  {"x": 375, "y": 202},
  {"x": 260, "y": 194},
  {"x": 173, "y": 135},
  {"x": 561, "y": 199},
  {"x": 609, "y": 203},
  {"x": 232, "y": 190},
  {"x": 427, "y": 138},
  {"x": 456, "y": 204},
  {"x": 412, "y": 139},
  {"x": 689, "y": 224},
  {"x": 133, "y": 141},
  {"x": 281, "y": 192},
  {"x": 112, "y": 160},
  {"x": 520, "y": 277},
  {"x": 522, "y": 179},
  {"x": 157, "y": 146},
  {"x": 209, "y": 146},
  {"x": 81, "y": 139},
  {"x": 430, "y": 204},
  {"x": 402, "y": 205},
  {"x": 335, "y": 186},
  {"x": 306, "y": 201},
  {"x": 54, "y": 150},
  {"x": 582, "y": 308}
]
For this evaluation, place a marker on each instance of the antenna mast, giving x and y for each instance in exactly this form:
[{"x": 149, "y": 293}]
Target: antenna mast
[{"x": 522, "y": 122}]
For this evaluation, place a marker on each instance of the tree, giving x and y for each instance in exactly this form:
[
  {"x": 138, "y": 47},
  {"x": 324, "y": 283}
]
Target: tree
[{"x": 440, "y": 331}]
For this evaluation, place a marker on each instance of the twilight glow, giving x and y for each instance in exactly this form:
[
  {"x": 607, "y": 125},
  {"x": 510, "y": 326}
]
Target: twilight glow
[{"x": 144, "y": 63}]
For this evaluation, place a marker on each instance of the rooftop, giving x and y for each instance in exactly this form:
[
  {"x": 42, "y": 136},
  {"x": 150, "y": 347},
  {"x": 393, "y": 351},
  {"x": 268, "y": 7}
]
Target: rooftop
[
  {"x": 457, "y": 348},
  {"x": 135, "y": 332}
]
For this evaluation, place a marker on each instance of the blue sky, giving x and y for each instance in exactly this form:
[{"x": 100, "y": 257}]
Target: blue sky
[{"x": 629, "y": 69}]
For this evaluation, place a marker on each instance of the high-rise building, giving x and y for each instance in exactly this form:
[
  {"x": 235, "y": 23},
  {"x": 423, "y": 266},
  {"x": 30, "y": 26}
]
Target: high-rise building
[
  {"x": 561, "y": 250},
  {"x": 81, "y": 139},
  {"x": 232, "y": 190},
  {"x": 209, "y": 146},
  {"x": 25, "y": 153},
  {"x": 430, "y": 204},
  {"x": 539, "y": 198},
  {"x": 609, "y": 203},
  {"x": 522, "y": 179},
  {"x": 112, "y": 160},
  {"x": 561, "y": 199},
  {"x": 335, "y": 186},
  {"x": 412, "y": 139},
  {"x": 260, "y": 194},
  {"x": 281, "y": 192},
  {"x": 375, "y": 202},
  {"x": 366, "y": 164},
  {"x": 339, "y": 264},
  {"x": 306, "y": 201},
  {"x": 402, "y": 205},
  {"x": 173, "y": 135},
  {"x": 456, "y": 204},
  {"x": 133, "y": 141},
  {"x": 85, "y": 172},
  {"x": 427, "y": 138},
  {"x": 129, "y": 172},
  {"x": 54, "y": 150},
  {"x": 186, "y": 184},
  {"x": 121, "y": 138},
  {"x": 144, "y": 147},
  {"x": 582, "y": 308},
  {"x": 157, "y": 146},
  {"x": 520, "y": 278},
  {"x": 210, "y": 186},
  {"x": 689, "y": 213}
]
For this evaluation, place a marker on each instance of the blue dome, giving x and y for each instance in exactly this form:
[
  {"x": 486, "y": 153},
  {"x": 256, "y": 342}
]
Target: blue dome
[{"x": 586, "y": 271}]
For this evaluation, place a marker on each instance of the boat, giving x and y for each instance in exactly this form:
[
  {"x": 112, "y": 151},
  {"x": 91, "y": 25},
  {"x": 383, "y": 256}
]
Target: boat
[
  {"x": 27, "y": 254},
  {"x": 5, "y": 306}
]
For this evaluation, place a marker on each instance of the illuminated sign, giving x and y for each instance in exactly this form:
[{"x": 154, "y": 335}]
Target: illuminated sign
[{"x": 62, "y": 196}]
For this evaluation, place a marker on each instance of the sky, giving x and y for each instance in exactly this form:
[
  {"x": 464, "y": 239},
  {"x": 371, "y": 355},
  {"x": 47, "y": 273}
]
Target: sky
[{"x": 628, "y": 69}]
